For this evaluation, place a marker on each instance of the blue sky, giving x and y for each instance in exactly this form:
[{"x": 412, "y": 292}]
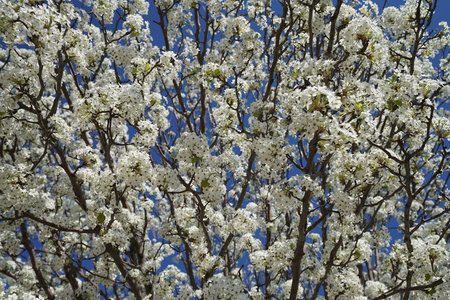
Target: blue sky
[{"x": 442, "y": 14}]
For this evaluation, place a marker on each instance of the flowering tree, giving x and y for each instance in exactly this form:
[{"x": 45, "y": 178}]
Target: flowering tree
[{"x": 224, "y": 150}]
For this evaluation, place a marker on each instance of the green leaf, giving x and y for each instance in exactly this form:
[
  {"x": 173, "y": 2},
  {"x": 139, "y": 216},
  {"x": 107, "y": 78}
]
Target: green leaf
[
  {"x": 205, "y": 183},
  {"x": 359, "y": 106},
  {"x": 399, "y": 102},
  {"x": 216, "y": 72},
  {"x": 101, "y": 218},
  {"x": 427, "y": 277},
  {"x": 134, "y": 33},
  {"x": 147, "y": 67},
  {"x": 194, "y": 159},
  {"x": 391, "y": 105},
  {"x": 432, "y": 291},
  {"x": 256, "y": 114}
]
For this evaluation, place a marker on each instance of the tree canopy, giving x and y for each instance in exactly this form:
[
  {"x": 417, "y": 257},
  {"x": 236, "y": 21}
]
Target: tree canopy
[{"x": 193, "y": 149}]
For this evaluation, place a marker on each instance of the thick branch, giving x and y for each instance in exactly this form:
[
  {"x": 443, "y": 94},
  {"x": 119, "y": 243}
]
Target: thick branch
[
  {"x": 34, "y": 263},
  {"x": 123, "y": 270}
]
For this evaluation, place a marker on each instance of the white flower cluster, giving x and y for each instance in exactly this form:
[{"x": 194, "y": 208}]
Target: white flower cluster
[{"x": 221, "y": 287}]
